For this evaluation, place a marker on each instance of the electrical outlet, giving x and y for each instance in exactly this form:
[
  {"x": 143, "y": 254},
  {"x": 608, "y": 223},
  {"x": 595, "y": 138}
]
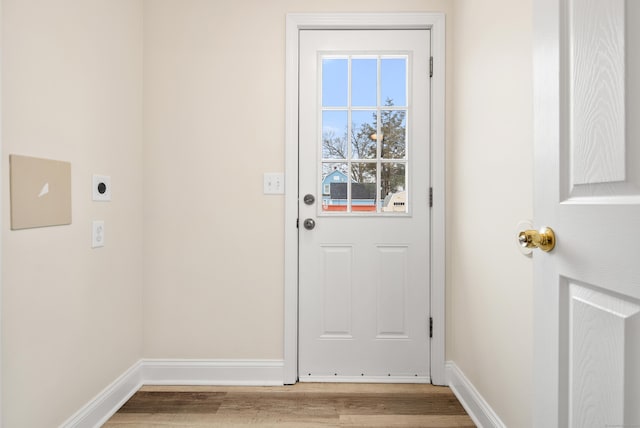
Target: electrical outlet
[
  {"x": 101, "y": 188},
  {"x": 273, "y": 183},
  {"x": 97, "y": 234}
]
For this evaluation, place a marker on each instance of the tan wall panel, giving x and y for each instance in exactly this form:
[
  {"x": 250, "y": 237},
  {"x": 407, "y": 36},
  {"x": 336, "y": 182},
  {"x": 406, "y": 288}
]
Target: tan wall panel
[{"x": 40, "y": 192}]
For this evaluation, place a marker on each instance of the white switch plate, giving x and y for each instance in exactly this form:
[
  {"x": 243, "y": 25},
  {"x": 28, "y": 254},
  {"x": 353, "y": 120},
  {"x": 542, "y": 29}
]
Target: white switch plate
[
  {"x": 97, "y": 234},
  {"x": 273, "y": 183},
  {"x": 101, "y": 186}
]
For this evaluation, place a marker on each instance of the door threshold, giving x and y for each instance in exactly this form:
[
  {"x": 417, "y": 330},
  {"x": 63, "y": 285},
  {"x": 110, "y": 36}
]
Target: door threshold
[{"x": 365, "y": 379}]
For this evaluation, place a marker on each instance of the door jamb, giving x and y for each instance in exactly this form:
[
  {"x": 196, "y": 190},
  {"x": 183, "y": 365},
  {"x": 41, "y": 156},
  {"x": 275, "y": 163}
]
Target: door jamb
[{"x": 436, "y": 23}]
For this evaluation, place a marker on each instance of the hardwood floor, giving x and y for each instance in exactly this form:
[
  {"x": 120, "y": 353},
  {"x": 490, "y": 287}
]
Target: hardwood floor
[{"x": 303, "y": 405}]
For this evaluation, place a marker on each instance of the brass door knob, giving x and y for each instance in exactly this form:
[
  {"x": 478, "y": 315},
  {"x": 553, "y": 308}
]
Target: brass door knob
[{"x": 544, "y": 239}]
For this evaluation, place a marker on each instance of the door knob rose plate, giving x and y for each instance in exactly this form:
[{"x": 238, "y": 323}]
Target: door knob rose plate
[{"x": 544, "y": 239}]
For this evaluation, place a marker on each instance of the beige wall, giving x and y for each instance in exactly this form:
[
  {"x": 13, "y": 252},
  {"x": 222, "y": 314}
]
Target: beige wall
[
  {"x": 214, "y": 123},
  {"x": 71, "y": 316},
  {"x": 490, "y": 190}
]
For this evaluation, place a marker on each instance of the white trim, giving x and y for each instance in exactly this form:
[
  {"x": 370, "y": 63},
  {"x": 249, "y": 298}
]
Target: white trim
[
  {"x": 438, "y": 212},
  {"x": 1, "y": 215},
  {"x": 250, "y": 372},
  {"x": 476, "y": 406},
  {"x": 174, "y": 372},
  {"x": 213, "y": 372},
  {"x": 366, "y": 379},
  {"x": 436, "y": 23},
  {"x": 291, "y": 202},
  {"x": 97, "y": 411}
]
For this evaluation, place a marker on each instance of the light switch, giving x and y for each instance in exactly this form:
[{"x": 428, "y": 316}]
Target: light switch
[{"x": 273, "y": 183}]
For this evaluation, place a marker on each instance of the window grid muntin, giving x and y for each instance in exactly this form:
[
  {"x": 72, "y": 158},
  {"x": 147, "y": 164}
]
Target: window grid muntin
[{"x": 378, "y": 108}]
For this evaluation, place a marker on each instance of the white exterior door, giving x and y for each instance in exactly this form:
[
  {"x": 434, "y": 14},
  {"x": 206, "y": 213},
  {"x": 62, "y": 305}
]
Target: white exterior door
[
  {"x": 364, "y": 239},
  {"x": 587, "y": 178}
]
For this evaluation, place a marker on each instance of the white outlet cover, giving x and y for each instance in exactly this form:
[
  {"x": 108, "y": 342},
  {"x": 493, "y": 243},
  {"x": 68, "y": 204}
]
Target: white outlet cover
[
  {"x": 97, "y": 234},
  {"x": 101, "y": 187}
]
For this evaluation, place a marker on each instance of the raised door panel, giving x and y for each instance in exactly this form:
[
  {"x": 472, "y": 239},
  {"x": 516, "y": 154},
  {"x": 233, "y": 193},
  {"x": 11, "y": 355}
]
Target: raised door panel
[
  {"x": 337, "y": 275},
  {"x": 602, "y": 363},
  {"x": 392, "y": 292},
  {"x": 600, "y": 73},
  {"x": 597, "y": 91}
]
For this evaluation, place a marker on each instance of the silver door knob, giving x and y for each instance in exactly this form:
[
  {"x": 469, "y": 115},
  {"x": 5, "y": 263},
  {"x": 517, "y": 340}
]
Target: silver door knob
[{"x": 309, "y": 224}]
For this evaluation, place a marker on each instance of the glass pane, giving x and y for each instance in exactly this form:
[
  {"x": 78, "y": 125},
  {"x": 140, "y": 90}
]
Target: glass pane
[
  {"x": 393, "y": 81},
  {"x": 335, "y": 73},
  {"x": 334, "y": 134},
  {"x": 394, "y": 134},
  {"x": 334, "y": 186},
  {"x": 364, "y": 82},
  {"x": 363, "y": 134},
  {"x": 393, "y": 184},
  {"x": 363, "y": 187}
]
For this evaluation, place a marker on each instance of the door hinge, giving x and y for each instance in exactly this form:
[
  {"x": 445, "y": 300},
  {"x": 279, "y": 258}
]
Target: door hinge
[
  {"x": 430, "y": 66},
  {"x": 430, "y": 197},
  {"x": 297, "y": 223},
  {"x": 430, "y": 327}
]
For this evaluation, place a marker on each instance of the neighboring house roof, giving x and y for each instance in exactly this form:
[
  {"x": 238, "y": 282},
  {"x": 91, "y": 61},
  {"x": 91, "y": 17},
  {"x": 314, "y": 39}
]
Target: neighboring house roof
[{"x": 335, "y": 177}]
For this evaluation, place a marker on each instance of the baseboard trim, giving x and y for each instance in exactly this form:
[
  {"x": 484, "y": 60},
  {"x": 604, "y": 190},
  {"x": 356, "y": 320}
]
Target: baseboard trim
[
  {"x": 475, "y": 405},
  {"x": 213, "y": 372},
  {"x": 174, "y": 372},
  {"x": 243, "y": 372},
  {"x": 106, "y": 403}
]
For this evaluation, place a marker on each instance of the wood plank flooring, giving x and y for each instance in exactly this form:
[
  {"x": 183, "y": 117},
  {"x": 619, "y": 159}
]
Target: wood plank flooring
[{"x": 303, "y": 405}]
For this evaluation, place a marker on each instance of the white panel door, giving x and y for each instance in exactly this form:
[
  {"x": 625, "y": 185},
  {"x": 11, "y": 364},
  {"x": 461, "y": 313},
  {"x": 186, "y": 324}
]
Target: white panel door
[
  {"x": 364, "y": 158},
  {"x": 587, "y": 177}
]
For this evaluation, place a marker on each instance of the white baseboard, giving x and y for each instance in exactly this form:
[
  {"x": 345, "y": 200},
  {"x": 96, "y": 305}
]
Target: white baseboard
[
  {"x": 239, "y": 372},
  {"x": 174, "y": 372},
  {"x": 213, "y": 372},
  {"x": 104, "y": 405},
  {"x": 476, "y": 406}
]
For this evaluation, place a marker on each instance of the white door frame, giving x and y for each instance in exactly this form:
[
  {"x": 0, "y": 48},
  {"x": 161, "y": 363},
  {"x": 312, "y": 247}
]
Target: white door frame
[
  {"x": 431, "y": 21},
  {"x": 1, "y": 182}
]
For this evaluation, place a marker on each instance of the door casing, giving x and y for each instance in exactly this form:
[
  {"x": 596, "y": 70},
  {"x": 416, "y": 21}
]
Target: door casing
[{"x": 431, "y": 21}]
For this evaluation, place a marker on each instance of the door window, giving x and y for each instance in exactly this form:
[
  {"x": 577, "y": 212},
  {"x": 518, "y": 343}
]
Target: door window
[{"x": 364, "y": 142}]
